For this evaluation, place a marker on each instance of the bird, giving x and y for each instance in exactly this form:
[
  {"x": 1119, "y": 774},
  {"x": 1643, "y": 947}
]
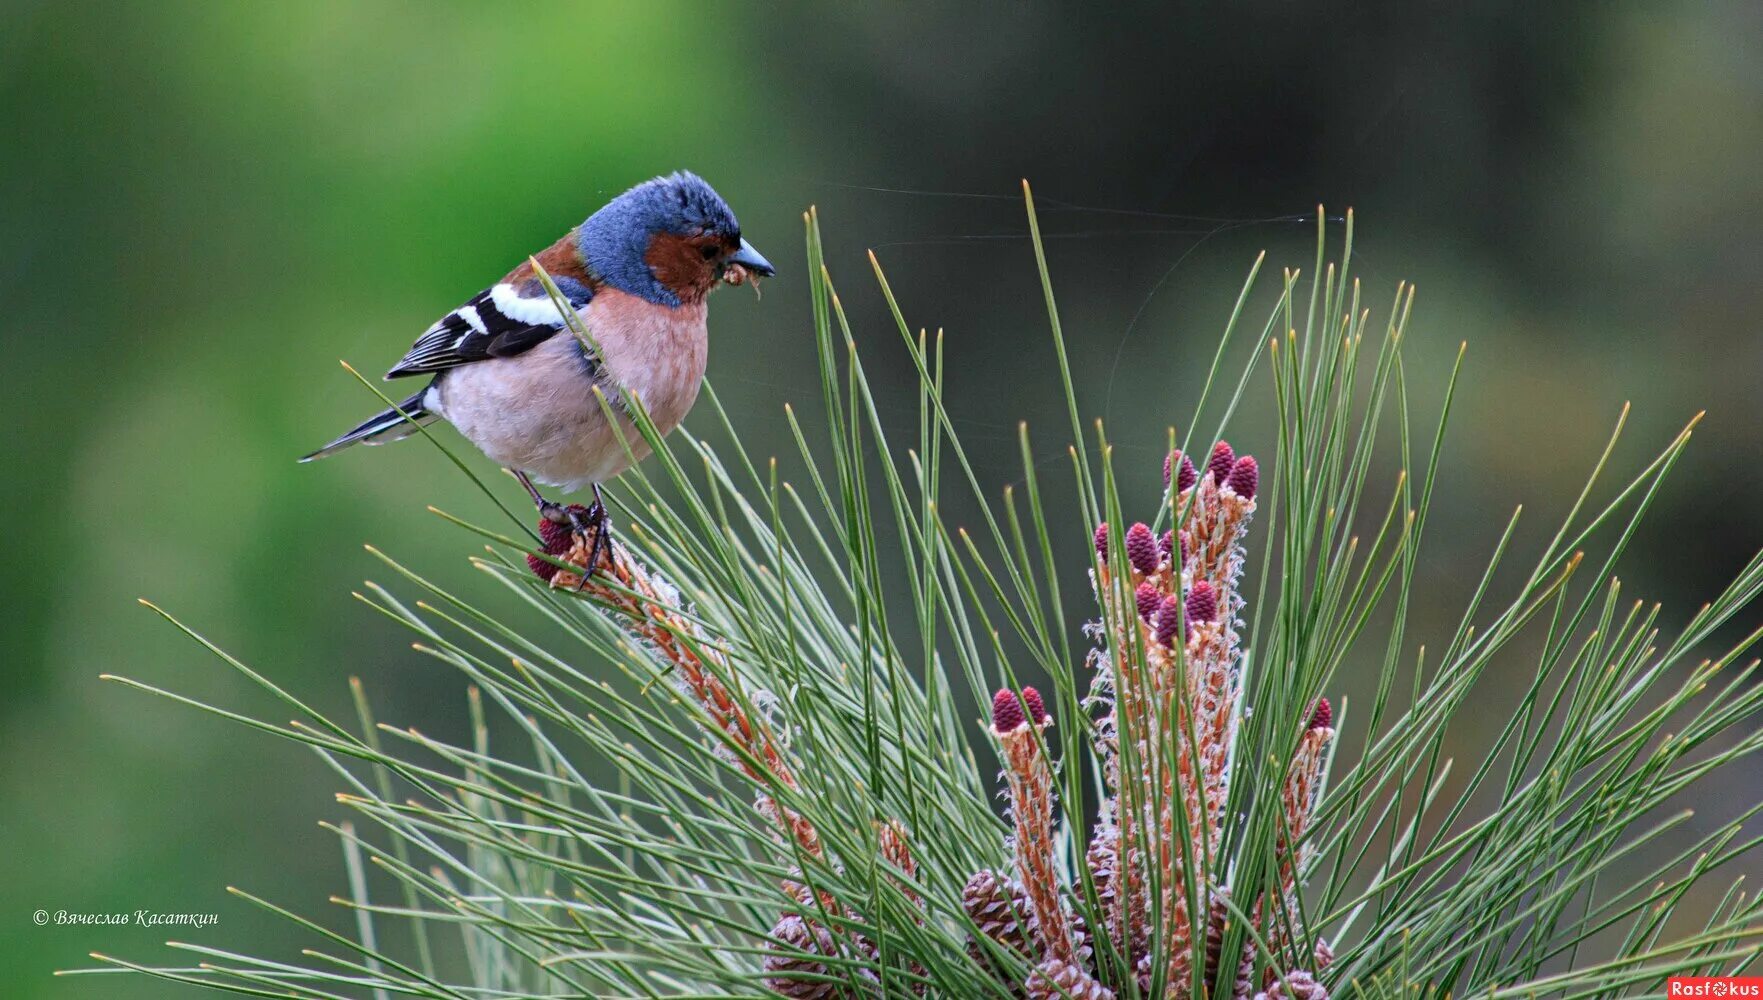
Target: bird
[{"x": 510, "y": 375}]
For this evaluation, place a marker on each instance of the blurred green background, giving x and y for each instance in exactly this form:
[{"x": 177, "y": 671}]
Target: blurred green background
[{"x": 204, "y": 205}]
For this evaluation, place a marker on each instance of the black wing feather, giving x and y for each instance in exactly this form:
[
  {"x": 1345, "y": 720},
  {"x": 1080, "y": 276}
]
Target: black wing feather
[
  {"x": 512, "y": 342},
  {"x": 456, "y": 340}
]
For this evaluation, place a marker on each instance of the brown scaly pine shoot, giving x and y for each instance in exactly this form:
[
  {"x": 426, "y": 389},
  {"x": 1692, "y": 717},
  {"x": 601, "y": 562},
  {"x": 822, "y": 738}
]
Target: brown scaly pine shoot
[
  {"x": 1303, "y": 782},
  {"x": 1186, "y": 605},
  {"x": 1062, "y": 972},
  {"x": 1168, "y": 683},
  {"x": 648, "y": 608}
]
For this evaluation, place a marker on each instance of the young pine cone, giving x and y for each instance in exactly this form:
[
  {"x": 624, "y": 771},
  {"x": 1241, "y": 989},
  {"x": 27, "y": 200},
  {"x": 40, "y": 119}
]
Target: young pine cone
[
  {"x": 1057, "y": 980},
  {"x": 1103, "y": 860},
  {"x": 999, "y": 905},
  {"x": 1298, "y": 985},
  {"x": 799, "y": 976},
  {"x": 1245, "y": 972}
]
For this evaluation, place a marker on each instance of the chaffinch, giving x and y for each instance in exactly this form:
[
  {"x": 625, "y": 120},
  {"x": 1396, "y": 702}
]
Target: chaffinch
[{"x": 505, "y": 369}]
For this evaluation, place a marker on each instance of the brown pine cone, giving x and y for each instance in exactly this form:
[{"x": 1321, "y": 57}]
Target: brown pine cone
[
  {"x": 1057, "y": 980},
  {"x": 1299, "y": 985},
  {"x": 1080, "y": 936},
  {"x": 1217, "y": 915},
  {"x": 1245, "y": 984},
  {"x": 999, "y": 905},
  {"x": 791, "y": 973},
  {"x": 1103, "y": 860},
  {"x": 1324, "y": 954},
  {"x": 1216, "y": 919}
]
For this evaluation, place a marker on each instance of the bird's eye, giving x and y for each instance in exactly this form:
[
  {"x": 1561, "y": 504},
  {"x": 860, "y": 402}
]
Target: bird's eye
[{"x": 708, "y": 251}]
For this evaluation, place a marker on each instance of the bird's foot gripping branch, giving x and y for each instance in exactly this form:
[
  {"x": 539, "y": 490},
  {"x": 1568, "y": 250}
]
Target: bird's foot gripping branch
[
  {"x": 1167, "y": 684},
  {"x": 581, "y": 541}
]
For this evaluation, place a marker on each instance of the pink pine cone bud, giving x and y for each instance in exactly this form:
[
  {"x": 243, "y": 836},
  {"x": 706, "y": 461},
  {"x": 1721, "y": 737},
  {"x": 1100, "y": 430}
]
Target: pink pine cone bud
[
  {"x": 1322, "y": 717},
  {"x": 1102, "y": 541},
  {"x": 541, "y": 569},
  {"x": 1202, "y": 603},
  {"x": 1147, "y": 598},
  {"x": 555, "y": 539},
  {"x": 554, "y": 536},
  {"x": 1007, "y": 714},
  {"x": 1245, "y": 475},
  {"x": 1037, "y": 709},
  {"x": 1141, "y": 548},
  {"x": 1220, "y": 464},
  {"x": 1169, "y": 620},
  {"x": 1173, "y": 548},
  {"x": 1182, "y": 468}
]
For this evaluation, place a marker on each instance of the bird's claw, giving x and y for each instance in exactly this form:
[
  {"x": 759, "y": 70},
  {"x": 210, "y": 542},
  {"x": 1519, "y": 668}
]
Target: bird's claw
[
  {"x": 600, "y": 523},
  {"x": 593, "y": 524}
]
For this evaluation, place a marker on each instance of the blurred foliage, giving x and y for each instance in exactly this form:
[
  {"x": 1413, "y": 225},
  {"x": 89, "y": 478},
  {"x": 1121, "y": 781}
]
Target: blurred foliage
[{"x": 204, "y": 205}]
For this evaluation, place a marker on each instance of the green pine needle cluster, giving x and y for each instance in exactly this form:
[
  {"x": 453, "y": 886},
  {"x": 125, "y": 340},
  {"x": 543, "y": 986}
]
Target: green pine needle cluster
[{"x": 606, "y": 842}]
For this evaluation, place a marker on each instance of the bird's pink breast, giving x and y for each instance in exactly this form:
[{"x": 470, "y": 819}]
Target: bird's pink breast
[
  {"x": 537, "y": 411},
  {"x": 655, "y": 352}
]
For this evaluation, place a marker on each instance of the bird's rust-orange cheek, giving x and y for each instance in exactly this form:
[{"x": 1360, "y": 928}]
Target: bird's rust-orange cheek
[{"x": 678, "y": 263}]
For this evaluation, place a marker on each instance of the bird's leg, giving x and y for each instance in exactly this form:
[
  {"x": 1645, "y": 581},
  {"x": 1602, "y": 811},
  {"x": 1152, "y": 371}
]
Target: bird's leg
[
  {"x": 602, "y": 521},
  {"x": 548, "y": 509}
]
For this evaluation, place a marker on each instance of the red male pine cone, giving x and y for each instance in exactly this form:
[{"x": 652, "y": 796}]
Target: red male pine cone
[
  {"x": 1007, "y": 715},
  {"x": 1202, "y": 603},
  {"x": 1147, "y": 598},
  {"x": 1221, "y": 462},
  {"x": 1010, "y": 713},
  {"x": 1185, "y": 474},
  {"x": 555, "y": 539},
  {"x": 541, "y": 569},
  {"x": 1244, "y": 477},
  {"x": 1169, "y": 620},
  {"x": 1141, "y": 548}
]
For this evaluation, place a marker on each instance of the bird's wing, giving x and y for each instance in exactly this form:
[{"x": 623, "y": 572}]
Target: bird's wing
[{"x": 508, "y": 318}]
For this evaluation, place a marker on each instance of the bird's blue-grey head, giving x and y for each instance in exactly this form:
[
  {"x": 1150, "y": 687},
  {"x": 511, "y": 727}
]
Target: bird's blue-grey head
[{"x": 667, "y": 240}]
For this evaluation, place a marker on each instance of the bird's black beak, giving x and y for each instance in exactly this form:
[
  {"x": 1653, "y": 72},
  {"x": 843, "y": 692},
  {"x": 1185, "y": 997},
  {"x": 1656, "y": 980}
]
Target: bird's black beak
[{"x": 752, "y": 260}]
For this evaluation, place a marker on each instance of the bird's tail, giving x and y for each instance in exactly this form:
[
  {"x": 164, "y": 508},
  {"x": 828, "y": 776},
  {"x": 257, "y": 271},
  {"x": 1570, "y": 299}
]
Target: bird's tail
[{"x": 388, "y": 425}]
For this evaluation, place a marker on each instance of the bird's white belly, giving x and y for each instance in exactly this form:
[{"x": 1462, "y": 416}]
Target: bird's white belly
[{"x": 538, "y": 412}]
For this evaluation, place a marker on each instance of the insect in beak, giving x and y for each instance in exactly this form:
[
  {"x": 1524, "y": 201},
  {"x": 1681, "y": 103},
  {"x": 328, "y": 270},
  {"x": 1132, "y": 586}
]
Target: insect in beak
[{"x": 752, "y": 261}]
